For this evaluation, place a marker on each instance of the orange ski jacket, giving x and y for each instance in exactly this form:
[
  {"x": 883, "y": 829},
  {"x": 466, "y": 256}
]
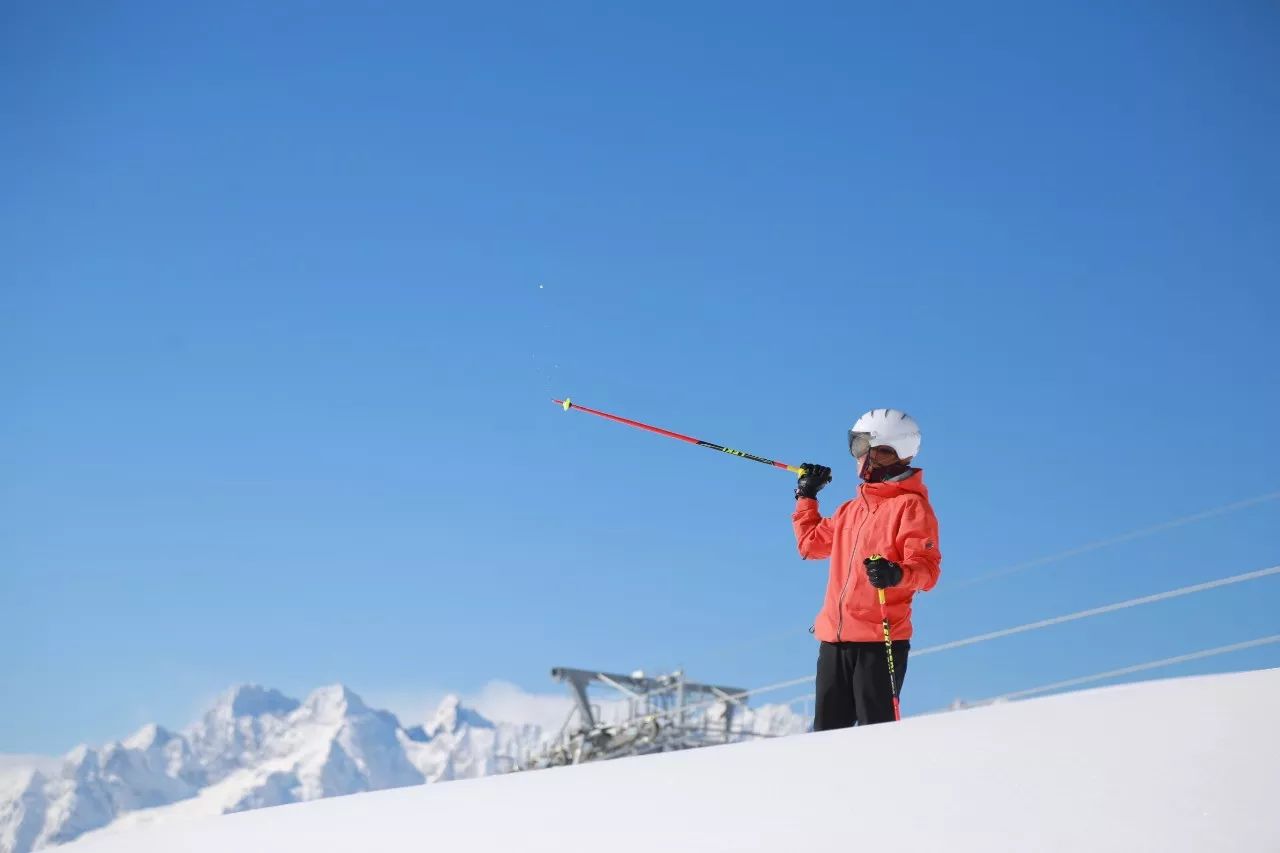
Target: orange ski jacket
[{"x": 893, "y": 519}]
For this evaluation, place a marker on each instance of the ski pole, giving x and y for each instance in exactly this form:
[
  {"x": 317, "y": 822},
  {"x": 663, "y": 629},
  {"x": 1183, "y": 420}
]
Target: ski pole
[
  {"x": 888, "y": 647},
  {"x": 888, "y": 650},
  {"x": 567, "y": 404}
]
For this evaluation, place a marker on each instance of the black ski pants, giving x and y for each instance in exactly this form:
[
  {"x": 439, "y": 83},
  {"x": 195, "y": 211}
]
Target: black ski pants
[{"x": 853, "y": 683}]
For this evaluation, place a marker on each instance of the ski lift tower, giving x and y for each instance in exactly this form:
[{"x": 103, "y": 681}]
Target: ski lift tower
[{"x": 662, "y": 713}]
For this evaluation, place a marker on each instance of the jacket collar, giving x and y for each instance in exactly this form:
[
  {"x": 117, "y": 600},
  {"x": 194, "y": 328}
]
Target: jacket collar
[{"x": 911, "y": 483}]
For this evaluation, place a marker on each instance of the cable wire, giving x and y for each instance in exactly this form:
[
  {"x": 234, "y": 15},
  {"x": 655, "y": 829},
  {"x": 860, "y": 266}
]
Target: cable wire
[
  {"x": 1115, "y": 540},
  {"x": 1019, "y": 629},
  {"x": 1101, "y": 676},
  {"x": 1128, "y": 670},
  {"x": 1098, "y": 611}
]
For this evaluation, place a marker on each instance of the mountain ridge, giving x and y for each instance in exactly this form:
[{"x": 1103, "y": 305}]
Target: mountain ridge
[{"x": 256, "y": 747}]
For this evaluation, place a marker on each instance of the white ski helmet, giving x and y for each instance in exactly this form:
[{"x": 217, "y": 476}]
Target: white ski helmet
[{"x": 885, "y": 428}]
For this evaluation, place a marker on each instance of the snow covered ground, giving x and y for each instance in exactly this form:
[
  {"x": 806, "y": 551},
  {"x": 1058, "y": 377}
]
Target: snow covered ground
[{"x": 1181, "y": 765}]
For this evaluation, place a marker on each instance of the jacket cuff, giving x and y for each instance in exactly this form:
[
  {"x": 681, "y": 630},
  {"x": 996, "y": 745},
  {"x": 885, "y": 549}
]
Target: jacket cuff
[{"x": 908, "y": 578}]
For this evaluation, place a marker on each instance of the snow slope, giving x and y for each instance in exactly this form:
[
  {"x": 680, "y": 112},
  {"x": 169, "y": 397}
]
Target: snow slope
[{"x": 1181, "y": 765}]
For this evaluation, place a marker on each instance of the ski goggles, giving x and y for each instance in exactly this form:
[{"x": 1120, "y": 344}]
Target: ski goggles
[{"x": 859, "y": 443}]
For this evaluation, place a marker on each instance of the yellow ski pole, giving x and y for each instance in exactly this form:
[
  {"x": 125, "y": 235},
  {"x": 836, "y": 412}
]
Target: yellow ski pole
[
  {"x": 888, "y": 645},
  {"x": 888, "y": 651}
]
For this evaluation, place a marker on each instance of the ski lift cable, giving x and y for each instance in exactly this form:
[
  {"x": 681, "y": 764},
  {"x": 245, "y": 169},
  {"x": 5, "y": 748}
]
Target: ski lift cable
[
  {"x": 1129, "y": 670},
  {"x": 1098, "y": 611},
  {"x": 1030, "y": 626},
  {"x": 1102, "y": 676},
  {"x": 1137, "y": 533}
]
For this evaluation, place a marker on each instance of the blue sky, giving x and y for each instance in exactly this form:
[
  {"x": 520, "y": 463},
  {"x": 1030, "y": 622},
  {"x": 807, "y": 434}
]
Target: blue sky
[{"x": 277, "y": 365}]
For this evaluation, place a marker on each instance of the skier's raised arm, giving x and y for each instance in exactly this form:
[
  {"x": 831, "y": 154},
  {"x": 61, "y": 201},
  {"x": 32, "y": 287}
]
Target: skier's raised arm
[{"x": 813, "y": 532}]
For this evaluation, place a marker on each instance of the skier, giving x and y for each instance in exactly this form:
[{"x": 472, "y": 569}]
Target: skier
[{"x": 886, "y": 538}]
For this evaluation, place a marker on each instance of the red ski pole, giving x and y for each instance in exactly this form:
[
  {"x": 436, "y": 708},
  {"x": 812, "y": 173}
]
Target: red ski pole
[{"x": 566, "y": 404}]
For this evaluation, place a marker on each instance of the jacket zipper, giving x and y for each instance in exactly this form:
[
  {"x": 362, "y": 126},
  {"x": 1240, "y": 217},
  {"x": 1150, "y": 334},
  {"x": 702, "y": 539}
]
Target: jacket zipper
[{"x": 848, "y": 569}]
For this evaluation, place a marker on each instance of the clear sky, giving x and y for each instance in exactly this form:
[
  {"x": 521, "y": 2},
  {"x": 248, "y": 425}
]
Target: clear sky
[{"x": 286, "y": 293}]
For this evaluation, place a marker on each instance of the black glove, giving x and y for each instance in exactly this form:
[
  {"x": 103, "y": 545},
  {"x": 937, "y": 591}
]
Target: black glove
[
  {"x": 812, "y": 480},
  {"x": 882, "y": 573}
]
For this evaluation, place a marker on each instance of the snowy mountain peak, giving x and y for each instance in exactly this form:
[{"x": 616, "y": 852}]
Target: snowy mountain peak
[
  {"x": 252, "y": 700},
  {"x": 234, "y": 731},
  {"x": 150, "y": 736},
  {"x": 333, "y": 703},
  {"x": 78, "y": 754},
  {"x": 80, "y": 763},
  {"x": 452, "y": 715}
]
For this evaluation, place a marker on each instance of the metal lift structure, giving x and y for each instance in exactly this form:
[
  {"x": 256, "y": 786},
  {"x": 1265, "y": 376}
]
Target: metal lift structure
[{"x": 659, "y": 714}]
